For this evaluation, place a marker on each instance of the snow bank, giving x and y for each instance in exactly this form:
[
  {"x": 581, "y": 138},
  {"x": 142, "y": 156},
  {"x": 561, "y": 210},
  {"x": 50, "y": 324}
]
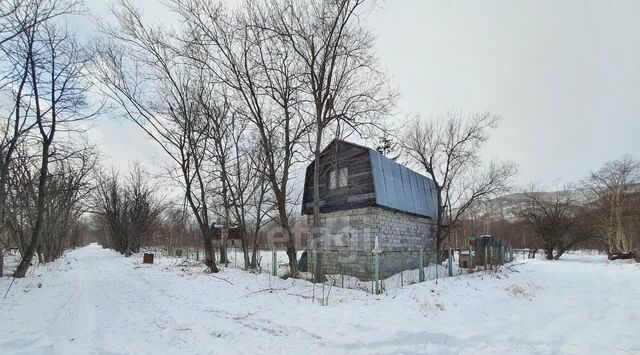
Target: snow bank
[{"x": 95, "y": 301}]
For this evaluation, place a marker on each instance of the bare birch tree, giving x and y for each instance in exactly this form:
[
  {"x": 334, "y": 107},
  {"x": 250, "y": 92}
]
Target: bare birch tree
[{"x": 613, "y": 188}]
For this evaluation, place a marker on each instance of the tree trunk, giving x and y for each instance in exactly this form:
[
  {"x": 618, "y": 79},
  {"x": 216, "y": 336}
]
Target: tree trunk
[
  {"x": 439, "y": 245},
  {"x": 316, "y": 235},
  {"x": 210, "y": 255},
  {"x": 559, "y": 253},
  {"x": 440, "y": 238},
  {"x": 245, "y": 247},
  {"x": 223, "y": 252},
  {"x": 625, "y": 246},
  {"x": 203, "y": 221},
  {"x": 548, "y": 252},
  {"x": 40, "y": 255},
  {"x": 291, "y": 248},
  {"x": 25, "y": 263},
  {"x": 127, "y": 247},
  {"x": 245, "y": 253},
  {"x": 254, "y": 252}
]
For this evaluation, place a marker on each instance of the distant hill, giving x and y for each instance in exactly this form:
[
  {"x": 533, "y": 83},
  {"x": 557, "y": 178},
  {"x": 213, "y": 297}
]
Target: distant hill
[{"x": 504, "y": 207}]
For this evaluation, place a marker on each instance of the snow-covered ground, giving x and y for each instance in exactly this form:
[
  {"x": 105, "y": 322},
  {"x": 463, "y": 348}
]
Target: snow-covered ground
[{"x": 94, "y": 301}]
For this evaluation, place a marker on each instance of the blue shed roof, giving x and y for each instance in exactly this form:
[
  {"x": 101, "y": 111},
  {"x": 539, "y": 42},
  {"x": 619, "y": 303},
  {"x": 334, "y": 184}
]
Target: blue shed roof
[{"x": 400, "y": 188}]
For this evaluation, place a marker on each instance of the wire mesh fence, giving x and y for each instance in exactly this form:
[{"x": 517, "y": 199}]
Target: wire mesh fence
[
  {"x": 393, "y": 269},
  {"x": 234, "y": 257},
  {"x": 368, "y": 271}
]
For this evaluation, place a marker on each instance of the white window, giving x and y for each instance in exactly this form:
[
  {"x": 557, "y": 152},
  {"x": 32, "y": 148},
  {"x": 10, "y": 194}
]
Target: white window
[
  {"x": 338, "y": 178},
  {"x": 332, "y": 180},
  {"x": 343, "y": 177}
]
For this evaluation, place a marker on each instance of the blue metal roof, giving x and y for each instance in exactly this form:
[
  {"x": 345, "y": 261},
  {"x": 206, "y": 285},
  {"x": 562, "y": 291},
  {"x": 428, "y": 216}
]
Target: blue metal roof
[{"x": 401, "y": 188}]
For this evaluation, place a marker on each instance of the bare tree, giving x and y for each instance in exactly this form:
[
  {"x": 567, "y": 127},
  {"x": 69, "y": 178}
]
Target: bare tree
[
  {"x": 68, "y": 189},
  {"x": 20, "y": 16},
  {"x": 341, "y": 82},
  {"x": 222, "y": 133},
  {"x": 174, "y": 227},
  {"x": 614, "y": 190},
  {"x": 448, "y": 150},
  {"x": 145, "y": 73},
  {"x": 557, "y": 219},
  {"x": 261, "y": 210},
  {"x": 128, "y": 211},
  {"x": 20, "y": 23},
  {"x": 8, "y": 12},
  {"x": 236, "y": 156},
  {"x": 58, "y": 90},
  {"x": 264, "y": 83}
]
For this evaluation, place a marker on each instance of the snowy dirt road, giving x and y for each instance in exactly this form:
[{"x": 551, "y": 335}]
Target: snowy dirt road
[{"x": 94, "y": 301}]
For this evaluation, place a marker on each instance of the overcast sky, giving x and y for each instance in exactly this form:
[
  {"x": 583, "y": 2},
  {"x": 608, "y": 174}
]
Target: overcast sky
[{"x": 563, "y": 75}]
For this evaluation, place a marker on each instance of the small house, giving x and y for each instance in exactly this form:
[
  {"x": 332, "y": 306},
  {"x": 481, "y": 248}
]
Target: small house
[
  {"x": 364, "y": 195},
  {"x": 234, "y": 236}
]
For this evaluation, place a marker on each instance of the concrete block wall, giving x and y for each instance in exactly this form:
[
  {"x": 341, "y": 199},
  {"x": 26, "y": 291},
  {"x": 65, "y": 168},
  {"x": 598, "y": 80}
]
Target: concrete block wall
[{"x": 348, "y": 237}]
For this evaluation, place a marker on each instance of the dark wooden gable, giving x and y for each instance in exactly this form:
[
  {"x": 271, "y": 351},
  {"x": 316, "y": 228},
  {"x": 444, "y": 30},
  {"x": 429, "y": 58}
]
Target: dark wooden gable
[
  {"x": 359, "y": 191},
  {"x": 373, "y": 180}
]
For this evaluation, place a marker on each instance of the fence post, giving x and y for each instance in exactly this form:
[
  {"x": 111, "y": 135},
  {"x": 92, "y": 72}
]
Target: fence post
[
  {"x": 274, "y": 262},
  {"x": 491, "y": 256},
  {"x": 486, "y": 254},
  {"x": 502, "y": 255},
  {"x": 421, "y": 266},
  {"x": 438, "y": 264},
  {"x": 314, "y": 271},
  {"x": 377, "y": 273},
  {"x": 470, "y": 259},
  {"x": 377, "y": 251},
  {"x": 450, "y": 263}
]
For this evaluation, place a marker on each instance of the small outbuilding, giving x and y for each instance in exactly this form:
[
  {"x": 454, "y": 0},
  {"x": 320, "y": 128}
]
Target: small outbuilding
[
  {"x": 364, "y": 195},
  {"x": 234, "y": 236}
]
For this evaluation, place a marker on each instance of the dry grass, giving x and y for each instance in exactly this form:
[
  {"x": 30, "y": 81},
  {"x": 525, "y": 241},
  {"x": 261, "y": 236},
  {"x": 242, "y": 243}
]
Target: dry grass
[{"x": 518, "y": 290}]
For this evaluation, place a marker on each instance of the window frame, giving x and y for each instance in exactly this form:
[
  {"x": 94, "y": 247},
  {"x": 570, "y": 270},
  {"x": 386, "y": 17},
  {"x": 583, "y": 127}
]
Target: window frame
[{"x": 338, "y": 178}]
